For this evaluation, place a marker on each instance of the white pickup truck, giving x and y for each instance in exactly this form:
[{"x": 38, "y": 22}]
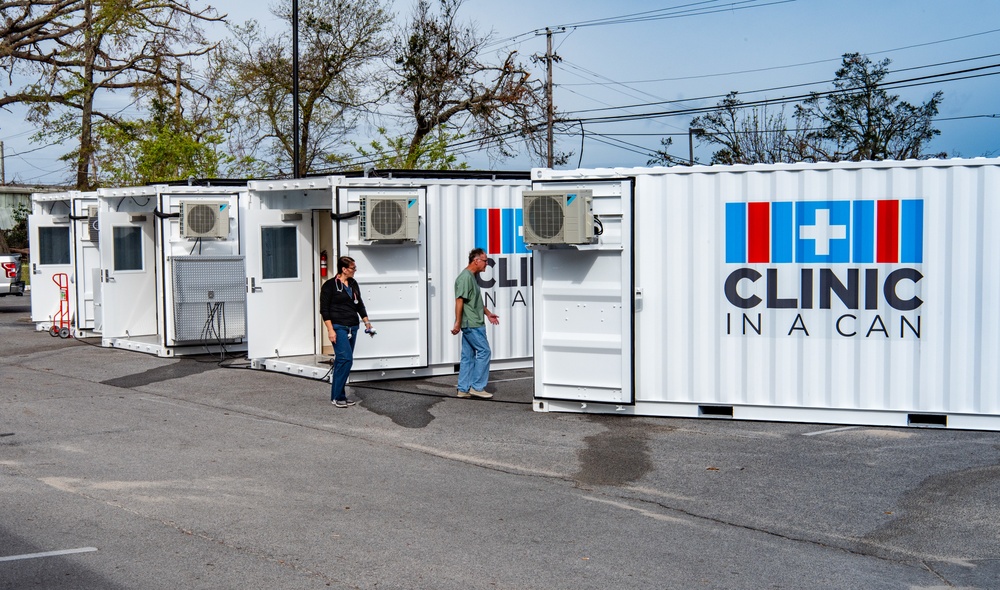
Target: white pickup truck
[{"x": 10, "y": 275}]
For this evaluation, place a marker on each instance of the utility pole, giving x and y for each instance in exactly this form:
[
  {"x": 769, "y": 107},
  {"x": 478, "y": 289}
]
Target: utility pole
[
  {"x": 296, "y": 172},
  {"x": 550, "y": 110},
  {"x": 691, "y": 133},
  {"x": 3, "y": 173},
  {"x": 548, "y": 96}
]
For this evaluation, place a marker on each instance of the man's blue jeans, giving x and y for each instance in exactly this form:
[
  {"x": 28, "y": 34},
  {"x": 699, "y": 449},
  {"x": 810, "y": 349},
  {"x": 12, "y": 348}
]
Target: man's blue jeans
[
  {"x": 343, "y": 350},
  {"x": 474, "y": 370}
]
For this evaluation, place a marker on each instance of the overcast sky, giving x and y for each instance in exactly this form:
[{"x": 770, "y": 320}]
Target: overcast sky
[{"x": 668, "y": 56}]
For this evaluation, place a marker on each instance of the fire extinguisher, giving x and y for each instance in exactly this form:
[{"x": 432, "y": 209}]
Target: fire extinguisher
[{"x": 322, "y": 263}]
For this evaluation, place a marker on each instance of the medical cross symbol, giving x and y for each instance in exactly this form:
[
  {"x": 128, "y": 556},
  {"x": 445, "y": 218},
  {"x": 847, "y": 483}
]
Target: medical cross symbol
[{"x": 822, "y": 232}]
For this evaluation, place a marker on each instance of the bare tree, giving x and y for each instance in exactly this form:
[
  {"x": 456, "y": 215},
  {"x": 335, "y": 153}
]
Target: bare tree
[
  {"x": 88, "y": 48},
  {"x": 859, "y": 120},
  {"x": 748, "y": 135},
  {"x": 28, "y": 34},
  {"x": 340, "y": 43},
  {"x": 444, "y": 83}
]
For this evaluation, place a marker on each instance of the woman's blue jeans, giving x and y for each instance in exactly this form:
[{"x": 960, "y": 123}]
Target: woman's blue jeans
[
  {"x": 343, "y": 351},
  {"x": 474, "y": 370}
]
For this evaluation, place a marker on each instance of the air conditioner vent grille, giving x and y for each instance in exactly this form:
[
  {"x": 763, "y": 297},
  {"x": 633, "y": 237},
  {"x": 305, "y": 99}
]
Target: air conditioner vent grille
[
  {"x": 391, "y": 218},
  {"x": 545, "y": 215},
  {"x": 558, "y": 216},
  {"x": 386, "y": 217},
  {"x": 204, "y": 219},
  {"x": 201, "y": 218}
]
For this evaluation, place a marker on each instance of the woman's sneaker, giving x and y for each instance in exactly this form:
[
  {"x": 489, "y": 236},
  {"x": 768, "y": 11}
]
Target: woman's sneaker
[
  {"x": 343, "y": 403},
  {"x": 480, "y": 394}
]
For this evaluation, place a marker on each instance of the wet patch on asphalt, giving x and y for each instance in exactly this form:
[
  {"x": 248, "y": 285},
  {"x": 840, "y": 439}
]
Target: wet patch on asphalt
[
  {"x": 181, "y": 368},
  {"x": 617, "y": 456},
  {"x": 404, "y": 408}
]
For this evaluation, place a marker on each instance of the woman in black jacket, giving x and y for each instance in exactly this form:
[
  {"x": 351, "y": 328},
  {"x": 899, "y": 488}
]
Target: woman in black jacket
[{"x": 340, "y": 304}]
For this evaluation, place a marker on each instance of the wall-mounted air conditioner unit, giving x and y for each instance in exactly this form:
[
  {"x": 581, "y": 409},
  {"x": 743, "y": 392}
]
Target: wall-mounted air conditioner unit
[
  {"x": 91, "y": 229},
  {"x": 204, "y": 219},
  {"x": 558, "y": 217},
  {"x": 389, "y": 218}
]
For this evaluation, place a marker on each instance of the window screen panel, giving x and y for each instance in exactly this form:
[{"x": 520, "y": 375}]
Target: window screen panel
[
  {"x": 128, "y": 248},
  {"x": 279, "y": 253},
  {"x": 53, "y": 244}
]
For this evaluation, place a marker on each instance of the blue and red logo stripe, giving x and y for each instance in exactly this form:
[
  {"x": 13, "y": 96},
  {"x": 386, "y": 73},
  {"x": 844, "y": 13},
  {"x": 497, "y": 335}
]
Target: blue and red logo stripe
[
  {"x": 863, "y": 231},
  {"x": 500, "y": 231}
]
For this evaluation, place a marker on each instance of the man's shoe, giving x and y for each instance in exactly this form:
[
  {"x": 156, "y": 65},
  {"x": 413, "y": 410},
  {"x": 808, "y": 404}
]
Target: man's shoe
[
  {"x": 480, "y": 394},
  {"x": 343, "y": 403},
  {"x": 464, "y": 394}
]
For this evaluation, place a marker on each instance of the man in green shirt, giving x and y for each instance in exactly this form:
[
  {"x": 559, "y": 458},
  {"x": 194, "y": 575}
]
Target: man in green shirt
[{"x": 470, "y": 316}]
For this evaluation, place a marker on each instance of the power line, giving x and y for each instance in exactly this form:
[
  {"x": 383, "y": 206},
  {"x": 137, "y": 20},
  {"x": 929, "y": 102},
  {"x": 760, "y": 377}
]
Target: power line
[
  {"x": 786, "y": 87},
  {"x": 642, "y": 17},
  {"x": 680, "y": 11},
  {"x": 788, "y": 66},
  {"x": 652, "y": 152},
  {"x": 911, "y": 82}
]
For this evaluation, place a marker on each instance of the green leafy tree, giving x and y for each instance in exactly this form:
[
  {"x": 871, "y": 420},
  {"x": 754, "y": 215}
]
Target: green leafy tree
[
  {"x": 340, "y": 43},
  {"x": 106, "y": 46},
  {"x": 860, "y": 120},
  {"x": 443, "y": 80},
  {"x": 165, "y": 147},
  {"x": 395, "y": 153}
]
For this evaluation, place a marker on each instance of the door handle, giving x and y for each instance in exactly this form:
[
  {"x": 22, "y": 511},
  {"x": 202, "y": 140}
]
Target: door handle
[
  {"x": 253, "y": 286},
  {"x": 34, "y": 269}
]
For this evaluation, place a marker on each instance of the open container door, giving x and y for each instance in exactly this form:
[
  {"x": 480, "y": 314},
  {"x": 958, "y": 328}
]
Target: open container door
[
  {"x": 51, "y": 242},
  {"x": 280, "y": 277},
  {"x": 380, "y": 229},
  {"x": 584, "y": 300},
  {"x": 128, "y": 277},
  {"x": 87, "y": 264}
]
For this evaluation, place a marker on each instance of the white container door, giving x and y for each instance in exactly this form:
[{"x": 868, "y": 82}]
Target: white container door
[
  {"x": 96, "y": 274},
  {"x": 128, "y": 277},
  {"x": 393, "y": 280},
  {"x": 584, "y": 305},
  {"x": 87, "y": 261},
  {"x": 281, "y": 307},
  {"x": 51, "y": 247}
]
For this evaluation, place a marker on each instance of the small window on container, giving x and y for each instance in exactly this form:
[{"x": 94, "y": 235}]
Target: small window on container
[
  {"x": 128, "y": 248},
  {"x": 53, "y": 245},
  {"x": 279, "y": 254}
]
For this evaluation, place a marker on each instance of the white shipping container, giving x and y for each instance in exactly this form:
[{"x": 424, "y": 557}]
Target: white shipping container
[
  {"x": 65, "y": 255},
  {"x": 854, "y": 293},
  {"x": 406, "y": 270},
  {"x": 172, "y": 277}
]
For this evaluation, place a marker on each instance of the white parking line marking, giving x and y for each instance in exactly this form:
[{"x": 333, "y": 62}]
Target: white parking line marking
[
  {"x": 48, "y": 554},
  {"x": 831, "y": 430}
]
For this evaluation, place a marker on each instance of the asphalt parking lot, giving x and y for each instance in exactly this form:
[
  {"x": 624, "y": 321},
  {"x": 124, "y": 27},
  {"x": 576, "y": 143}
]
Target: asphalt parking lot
[{"x": 120, "y": 470}]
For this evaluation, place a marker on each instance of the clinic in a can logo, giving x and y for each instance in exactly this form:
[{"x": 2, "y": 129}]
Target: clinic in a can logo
[
  {"x": 858, "y": 257},
  {"x": 500, "y": 233}
]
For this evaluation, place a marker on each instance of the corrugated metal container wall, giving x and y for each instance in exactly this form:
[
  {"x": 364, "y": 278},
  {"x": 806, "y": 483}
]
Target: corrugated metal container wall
[
  {"x": 832, "y": 326},
  {"x": 460, "y": 216}
]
